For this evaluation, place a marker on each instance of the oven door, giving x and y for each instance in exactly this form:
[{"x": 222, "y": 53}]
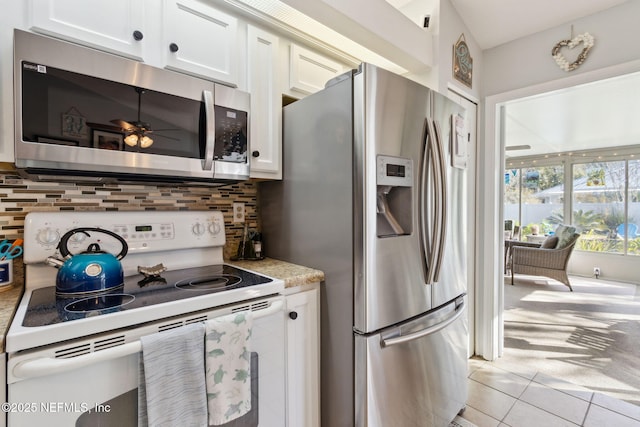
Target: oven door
[
  {"x": 87, "y": 113},
  {"x": 53, "y": 386}
]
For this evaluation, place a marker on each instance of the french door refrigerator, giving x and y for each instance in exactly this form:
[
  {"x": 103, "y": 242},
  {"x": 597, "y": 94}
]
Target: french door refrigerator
[{"x": 374, "y": 193}]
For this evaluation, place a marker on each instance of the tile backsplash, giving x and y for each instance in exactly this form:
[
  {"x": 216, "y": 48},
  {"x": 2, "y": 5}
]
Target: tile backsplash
[{"x": 19, "y": 196}]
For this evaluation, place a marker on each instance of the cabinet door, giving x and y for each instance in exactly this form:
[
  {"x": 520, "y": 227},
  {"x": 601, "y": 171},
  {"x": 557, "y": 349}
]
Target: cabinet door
[
  {"x": 266, "y": 109},
  {"x": 310, "y": 71},
  {"x": 303, "y": 360},
  {"x": 116, "y": 25},
  {"x": 200, "y": 40}
]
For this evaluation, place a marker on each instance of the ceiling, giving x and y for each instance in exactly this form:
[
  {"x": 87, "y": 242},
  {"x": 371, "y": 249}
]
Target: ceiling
[
  {"x": 590, "y": 116},
  {"x": 494, "y": 22}
]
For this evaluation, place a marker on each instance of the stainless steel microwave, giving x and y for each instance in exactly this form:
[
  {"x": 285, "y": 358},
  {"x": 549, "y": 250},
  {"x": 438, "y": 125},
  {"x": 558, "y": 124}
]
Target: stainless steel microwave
[{"x": 88, "y": 116}]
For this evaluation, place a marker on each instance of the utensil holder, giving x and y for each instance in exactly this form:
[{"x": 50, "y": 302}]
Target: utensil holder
[{"x": 6, "y": 272}]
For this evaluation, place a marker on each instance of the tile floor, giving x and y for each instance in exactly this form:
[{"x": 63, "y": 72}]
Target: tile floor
[{"x": 499, "y": 398}]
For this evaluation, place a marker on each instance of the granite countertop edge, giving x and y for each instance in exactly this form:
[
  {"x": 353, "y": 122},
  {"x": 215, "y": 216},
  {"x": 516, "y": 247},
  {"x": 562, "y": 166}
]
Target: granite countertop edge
[
  {"x": 9, "y": 300},
  {"x": 292, "y": 274}
]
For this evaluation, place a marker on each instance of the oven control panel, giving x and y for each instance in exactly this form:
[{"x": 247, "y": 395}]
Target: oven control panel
[{"x": 144, "y": 232}]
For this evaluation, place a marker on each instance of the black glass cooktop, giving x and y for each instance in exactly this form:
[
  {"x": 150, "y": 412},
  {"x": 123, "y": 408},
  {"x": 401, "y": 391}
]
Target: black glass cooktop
[{"x": 45, "y": 308}]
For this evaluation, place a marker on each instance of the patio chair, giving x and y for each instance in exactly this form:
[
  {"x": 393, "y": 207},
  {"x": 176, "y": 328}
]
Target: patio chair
[{"x": 546, "y": 261}]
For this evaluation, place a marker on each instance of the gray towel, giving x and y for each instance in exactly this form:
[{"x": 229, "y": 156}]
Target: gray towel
[{"x": 172, "y": 390}]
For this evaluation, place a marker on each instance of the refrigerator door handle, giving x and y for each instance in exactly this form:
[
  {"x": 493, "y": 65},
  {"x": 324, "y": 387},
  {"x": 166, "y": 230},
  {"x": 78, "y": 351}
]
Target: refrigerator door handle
[
  {"x": 442, "y": 231},
  {"x": 388, "y": 342},
  {"x": 429, "y": 245}
]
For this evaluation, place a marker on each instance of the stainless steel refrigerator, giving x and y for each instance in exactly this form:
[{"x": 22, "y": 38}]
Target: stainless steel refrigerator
[{"x": 374, "y": 194}]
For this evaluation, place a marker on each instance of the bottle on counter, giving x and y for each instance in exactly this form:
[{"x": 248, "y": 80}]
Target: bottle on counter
[{"x": 257, "y": 244}]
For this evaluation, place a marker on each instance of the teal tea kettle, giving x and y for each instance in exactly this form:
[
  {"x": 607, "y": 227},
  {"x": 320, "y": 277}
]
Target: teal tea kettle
[{"x": 88, "y": 272}]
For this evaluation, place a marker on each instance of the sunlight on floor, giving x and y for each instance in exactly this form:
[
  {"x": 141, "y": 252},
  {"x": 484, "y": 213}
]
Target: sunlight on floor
[{"x": 570, "y": 358}]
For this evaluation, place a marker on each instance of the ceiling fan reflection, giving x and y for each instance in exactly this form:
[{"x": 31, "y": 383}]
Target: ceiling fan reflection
[{"x": 137, "y": 131}]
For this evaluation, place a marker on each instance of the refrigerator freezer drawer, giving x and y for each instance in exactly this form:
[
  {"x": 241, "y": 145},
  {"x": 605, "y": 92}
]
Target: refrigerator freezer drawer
[{"x": 414, "y": 374}]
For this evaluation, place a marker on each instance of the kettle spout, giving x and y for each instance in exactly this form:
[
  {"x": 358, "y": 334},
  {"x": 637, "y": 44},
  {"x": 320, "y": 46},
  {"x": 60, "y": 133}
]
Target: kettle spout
[{"x": 54, "y": 262}]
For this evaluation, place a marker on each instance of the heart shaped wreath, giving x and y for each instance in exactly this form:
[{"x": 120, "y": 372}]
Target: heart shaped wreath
[{"x": 586, "y": 39}]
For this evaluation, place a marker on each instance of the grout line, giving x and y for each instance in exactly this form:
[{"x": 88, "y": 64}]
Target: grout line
[{"x": 586, "y": 414}]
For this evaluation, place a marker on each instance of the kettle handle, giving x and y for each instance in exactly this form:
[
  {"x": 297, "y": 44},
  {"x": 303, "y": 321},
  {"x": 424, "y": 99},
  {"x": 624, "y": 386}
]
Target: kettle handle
[{"x": 64, "y": 251}]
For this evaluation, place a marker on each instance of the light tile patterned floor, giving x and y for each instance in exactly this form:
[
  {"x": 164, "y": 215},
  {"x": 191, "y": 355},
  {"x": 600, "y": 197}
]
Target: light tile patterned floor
[{"x": 498, "y": 398}]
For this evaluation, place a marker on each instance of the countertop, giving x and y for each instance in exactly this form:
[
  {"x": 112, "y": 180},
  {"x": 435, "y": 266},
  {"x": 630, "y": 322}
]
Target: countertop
[
  {"x": 9, "y": 298},
  {"x": 292, "y": 274}
]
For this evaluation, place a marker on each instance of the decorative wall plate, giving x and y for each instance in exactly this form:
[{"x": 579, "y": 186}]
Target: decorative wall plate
[
  {"x": 462, "y": 62},
  {"x": 585, "y": 39}
]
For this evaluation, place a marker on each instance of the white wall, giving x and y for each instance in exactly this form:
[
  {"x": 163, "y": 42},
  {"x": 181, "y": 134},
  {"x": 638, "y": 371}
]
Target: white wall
[
  {"x": 527, "y": 61},
  {"x": 446, "y": 27}
]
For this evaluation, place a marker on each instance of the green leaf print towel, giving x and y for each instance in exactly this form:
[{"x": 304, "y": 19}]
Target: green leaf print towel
[{"x": 228, "y": 366}]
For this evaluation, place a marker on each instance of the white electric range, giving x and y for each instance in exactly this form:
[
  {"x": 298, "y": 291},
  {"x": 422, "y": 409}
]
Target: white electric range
[{"x": 83, "y": 352}]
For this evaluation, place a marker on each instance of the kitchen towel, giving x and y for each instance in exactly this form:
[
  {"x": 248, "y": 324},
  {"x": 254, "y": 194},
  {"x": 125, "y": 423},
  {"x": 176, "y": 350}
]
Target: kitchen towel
[
  {"x": 228, "y": 366},
  {"x": 172, "y": 389}
]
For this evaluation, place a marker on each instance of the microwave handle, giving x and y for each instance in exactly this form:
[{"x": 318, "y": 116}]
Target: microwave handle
[{"x": 210, "y": 136}]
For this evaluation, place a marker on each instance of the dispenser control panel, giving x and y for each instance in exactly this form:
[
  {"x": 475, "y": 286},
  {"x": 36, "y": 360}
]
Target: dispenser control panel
[{"x": 394, "y": 171}]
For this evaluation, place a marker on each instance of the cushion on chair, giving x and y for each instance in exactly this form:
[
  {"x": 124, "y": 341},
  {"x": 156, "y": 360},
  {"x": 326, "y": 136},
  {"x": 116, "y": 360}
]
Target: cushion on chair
[
  {"x": 565, "y": 233},
  {"x": 550, "y": 242}
]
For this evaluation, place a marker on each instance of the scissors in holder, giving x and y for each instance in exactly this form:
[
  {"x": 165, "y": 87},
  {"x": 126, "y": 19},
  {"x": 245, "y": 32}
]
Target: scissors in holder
[{"x": 10, "y": 250}]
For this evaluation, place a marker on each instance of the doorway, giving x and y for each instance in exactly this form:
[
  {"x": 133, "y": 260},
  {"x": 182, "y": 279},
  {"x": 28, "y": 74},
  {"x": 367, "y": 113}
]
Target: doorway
[{"x": 490, "y": 329}]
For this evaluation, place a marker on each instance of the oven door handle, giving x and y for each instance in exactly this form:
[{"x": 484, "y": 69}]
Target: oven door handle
[{"x": 48, "y": 365}]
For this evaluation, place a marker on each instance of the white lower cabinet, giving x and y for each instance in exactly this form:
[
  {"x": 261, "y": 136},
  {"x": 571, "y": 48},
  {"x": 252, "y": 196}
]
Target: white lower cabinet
[
  {"x": 303, "y": 358},
  {"x": 3, "y": 391}
]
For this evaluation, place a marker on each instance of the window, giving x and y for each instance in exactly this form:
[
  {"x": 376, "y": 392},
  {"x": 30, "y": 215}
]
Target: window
[
  {"x": 604, "y": 208},
  {"x": 604, "y": 195},
  {"x": 534, "y": 199}
]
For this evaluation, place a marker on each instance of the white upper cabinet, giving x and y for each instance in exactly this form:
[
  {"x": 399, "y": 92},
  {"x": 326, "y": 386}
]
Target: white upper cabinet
[
  {"x": 309, "y": 71},
  {"x": 191, "y": 37},
  {"x": 116, "y": 26},
  {"x": 266, "y": 103},
  {"x": 187, "y": 36},
  {"x": 200, "y": 40}
]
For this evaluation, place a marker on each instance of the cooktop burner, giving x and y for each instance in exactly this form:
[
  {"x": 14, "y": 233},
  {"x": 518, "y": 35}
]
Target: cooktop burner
[
  {"x": 99, "y": 303},
  {"x": 45, "y": 308},
  {"x": 223, "y": 281}
]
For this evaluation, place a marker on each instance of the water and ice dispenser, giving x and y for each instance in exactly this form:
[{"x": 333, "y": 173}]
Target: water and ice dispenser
[{"x": 394, "y": 179}]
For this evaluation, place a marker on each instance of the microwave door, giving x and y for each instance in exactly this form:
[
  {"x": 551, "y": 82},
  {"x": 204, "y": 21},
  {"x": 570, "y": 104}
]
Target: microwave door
[{"x": 83, "y": 113}]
